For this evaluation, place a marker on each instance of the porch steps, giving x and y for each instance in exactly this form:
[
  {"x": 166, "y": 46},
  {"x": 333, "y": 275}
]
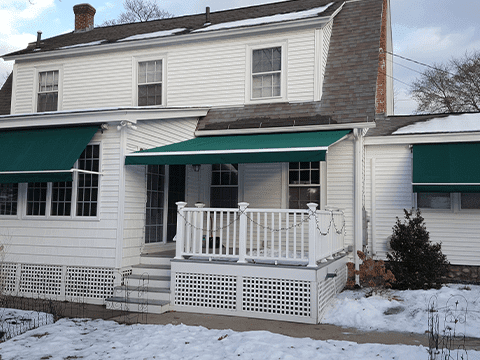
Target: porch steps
[{"x": 147, "y": 289}]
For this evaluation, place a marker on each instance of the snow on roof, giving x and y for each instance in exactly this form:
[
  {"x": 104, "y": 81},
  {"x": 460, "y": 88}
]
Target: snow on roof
[
  {"x": 85, "y": 44},
  {"x": 153, "y": 34},
  {"x": 451, "y": 123},
  {"x": 267, "y": 19}
]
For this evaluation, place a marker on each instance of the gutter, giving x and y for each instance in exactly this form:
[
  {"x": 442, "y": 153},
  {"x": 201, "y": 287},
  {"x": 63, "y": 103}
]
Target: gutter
[{"x": 285, "y": 129}]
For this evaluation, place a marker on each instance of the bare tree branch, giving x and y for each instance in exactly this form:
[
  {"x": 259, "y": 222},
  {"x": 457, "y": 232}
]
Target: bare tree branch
[
  {"x": 139, "y": 11},
  {"x": 454, "y": 87}
]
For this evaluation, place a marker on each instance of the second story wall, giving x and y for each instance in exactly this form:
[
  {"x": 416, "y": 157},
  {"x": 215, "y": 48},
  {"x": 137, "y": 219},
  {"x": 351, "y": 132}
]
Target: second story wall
[{"x": 204, "y": 73}]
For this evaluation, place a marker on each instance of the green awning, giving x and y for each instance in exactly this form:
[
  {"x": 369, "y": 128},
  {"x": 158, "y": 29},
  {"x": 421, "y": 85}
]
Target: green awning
[
  {"x": 262, "y": 148},
  {"x": 450, "y": 167},
  {"x": 42, "y": 155}
]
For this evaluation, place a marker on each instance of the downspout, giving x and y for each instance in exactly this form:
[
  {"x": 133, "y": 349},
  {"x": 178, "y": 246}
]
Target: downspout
[
  {"x": 121, "y": 198},
  {"x": 357, "y": 195}
]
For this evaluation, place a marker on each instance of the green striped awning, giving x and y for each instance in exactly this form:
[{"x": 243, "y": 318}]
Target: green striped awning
[
  {"x": 447, "y": 167},
  {"x": 261, "y": 148},
  {"x": 42, "y": 155}
]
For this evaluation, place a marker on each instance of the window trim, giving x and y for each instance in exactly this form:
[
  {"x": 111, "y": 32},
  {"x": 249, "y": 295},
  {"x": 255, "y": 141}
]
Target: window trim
[
  {"x": 138, "y": 59},
  {"x": 249, "y": 75},
  {"x": 41, "y": 69}
]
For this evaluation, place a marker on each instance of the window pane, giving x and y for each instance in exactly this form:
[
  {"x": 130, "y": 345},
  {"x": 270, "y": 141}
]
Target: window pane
[
  {"x": 8, "y": 199},
  {"x": 224, "y": 190},
  {"x": 61, "y": 198},
  {"x": 47, "y": 99},
  {"x": 470, "y": 201},
  {"x": 434, "y": 200},
  {"x": 36, "y": 198},
  {"x": 155, "y": 203},
  {"x": 87, "y": 186}
]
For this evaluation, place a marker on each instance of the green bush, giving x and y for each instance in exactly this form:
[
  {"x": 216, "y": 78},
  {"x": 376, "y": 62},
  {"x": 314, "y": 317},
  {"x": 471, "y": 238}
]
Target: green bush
[{"x": 415, "y": 261}]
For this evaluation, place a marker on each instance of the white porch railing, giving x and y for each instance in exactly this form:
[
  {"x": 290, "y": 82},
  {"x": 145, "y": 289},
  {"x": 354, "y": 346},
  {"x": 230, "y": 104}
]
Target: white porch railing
[{"x": 260, "y": 235}]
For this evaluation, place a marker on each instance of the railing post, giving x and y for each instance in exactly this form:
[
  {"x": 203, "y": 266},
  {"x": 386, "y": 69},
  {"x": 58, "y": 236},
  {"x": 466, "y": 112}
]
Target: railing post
[
  {"x": 242, "y": 233},
  {"x": 197, "y": 240},
  {"x": 180, "y": 230},
  {"x": 312, "y": 235}
]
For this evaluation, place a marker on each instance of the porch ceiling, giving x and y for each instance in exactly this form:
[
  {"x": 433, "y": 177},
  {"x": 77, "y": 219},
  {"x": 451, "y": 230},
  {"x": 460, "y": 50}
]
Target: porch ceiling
[
  {"x": 260, "y": 148},
  {"x": 42, "y": 155}
]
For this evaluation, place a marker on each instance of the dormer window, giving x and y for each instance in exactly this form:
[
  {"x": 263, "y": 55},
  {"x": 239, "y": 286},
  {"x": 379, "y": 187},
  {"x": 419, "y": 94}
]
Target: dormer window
[
  {"x": 266, "y": 72},
  {"x": 150, "y": 79},
  {"x": 47, "y": 91}
]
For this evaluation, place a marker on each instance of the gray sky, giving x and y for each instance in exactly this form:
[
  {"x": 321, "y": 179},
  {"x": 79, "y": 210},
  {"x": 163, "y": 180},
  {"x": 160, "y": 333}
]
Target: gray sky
[{"x": 429, "y": 31}]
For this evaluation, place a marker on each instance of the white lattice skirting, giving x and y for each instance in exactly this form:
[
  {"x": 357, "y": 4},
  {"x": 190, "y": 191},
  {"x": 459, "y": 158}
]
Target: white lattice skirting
[
  {"x": 70, "y": 283},
  {"x": 288, "y": 293}
]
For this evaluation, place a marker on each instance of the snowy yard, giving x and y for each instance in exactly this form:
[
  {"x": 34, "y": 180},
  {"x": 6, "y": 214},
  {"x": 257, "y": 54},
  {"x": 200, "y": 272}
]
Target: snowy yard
[{"x": 98, "y": 339}]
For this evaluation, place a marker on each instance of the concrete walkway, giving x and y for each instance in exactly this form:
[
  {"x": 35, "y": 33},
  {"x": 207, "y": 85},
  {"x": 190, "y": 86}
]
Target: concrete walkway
[{"x": 316, "y": 332}]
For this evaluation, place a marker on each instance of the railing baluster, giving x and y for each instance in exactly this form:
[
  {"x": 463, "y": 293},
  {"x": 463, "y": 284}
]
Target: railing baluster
[
  {"x": 180, "y": 230},
  {"x": 234, "y": 241},
  {"x": 221, "y": 234},
  {"x": 258, "y": 233},
  {"x": 279, "y": 235},
  {"x": 295, "y": 235},
  {"x": 265, "y": 237},
  {"x": 242, "y": 239},
  {"x": 303, "y": 236},
  {"x": 287, "y": 247},
  {"x": 214, "y": 229},
  {"x": 227, "y": 234}
]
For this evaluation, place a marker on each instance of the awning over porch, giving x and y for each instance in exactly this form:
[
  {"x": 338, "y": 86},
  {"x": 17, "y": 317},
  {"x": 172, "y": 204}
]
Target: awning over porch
[
  {"x": 42, "y": 155},
  {"x": 448, "y": 167},
  {"x": 260, "y": 148}
]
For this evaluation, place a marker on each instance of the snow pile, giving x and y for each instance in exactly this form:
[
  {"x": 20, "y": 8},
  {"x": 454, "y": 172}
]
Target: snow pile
[
  {"x": 378, "y": 313},
  {"x": 451, "y": 123},
  {"x": 98, "y": 339},
  {"x": 268, "y": 19},
  {"x": 82, "y": 45},
  {"x": 153, "y": 34}
]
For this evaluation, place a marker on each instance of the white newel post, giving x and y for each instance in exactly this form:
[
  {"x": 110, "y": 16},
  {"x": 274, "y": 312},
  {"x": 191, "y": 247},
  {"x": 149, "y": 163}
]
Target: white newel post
[
  {"x": 180, "y": 230},
  {"x": 242, "y": 234},
  {"x": 312, "y": 235}
]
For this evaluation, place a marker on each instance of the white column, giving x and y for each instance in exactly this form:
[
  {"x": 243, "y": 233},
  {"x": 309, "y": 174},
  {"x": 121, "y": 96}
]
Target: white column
[
  {"x": 312, "y": 235},
  {"x": 180, "y": 230},
  {"x": 357, "y": 190},
  {"x": 242, "y": 233}
]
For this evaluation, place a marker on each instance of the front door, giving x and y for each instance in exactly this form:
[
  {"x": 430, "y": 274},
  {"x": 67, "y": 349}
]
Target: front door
[{"x": 165, "y": 186}]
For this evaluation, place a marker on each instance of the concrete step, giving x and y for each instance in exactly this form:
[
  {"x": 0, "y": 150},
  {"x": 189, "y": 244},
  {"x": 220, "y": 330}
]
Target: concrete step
[
  {"x": 159, "y": 281},
  {"x": 142, "y": 292},
  {"x": 155, "y": 259},
  {"x": 138, "y": 305},
  {"x": 151, "y": 270}
]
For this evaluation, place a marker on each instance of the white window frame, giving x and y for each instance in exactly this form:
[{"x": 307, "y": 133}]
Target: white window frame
[
  {"x": 239, "y": 185},
  {"x": 22, "y": 198},
  {"x": 17, "y": 215},
  {"x": 135, "y": 64},
  {"x": 249, "y": 75},
  {"x": 319, "y": 185},
  {"x": 42, "y": 69}
]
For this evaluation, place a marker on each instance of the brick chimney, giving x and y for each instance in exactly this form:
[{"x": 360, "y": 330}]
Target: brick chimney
[{"x": 84, "y": 14}]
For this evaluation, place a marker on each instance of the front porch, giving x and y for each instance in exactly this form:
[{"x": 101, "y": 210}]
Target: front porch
[{"x": 278, "y": 264}]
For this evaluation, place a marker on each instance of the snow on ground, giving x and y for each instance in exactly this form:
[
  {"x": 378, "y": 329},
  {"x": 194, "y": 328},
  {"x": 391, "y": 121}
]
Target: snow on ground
[
  {"x": 99, "y": 339},
  {"x": 451, "y": 123},
  {"x": 353, "y": 309}
]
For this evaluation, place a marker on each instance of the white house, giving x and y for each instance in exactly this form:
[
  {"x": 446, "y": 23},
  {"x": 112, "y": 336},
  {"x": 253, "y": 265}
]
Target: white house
[{"x": 236, "y": 119}]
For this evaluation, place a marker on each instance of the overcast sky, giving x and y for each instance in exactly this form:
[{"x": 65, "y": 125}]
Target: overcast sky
[{"x": 429, "y": 31}]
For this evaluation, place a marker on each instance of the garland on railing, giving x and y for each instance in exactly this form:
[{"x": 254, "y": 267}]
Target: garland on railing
[{"x": 332, "y": 221}]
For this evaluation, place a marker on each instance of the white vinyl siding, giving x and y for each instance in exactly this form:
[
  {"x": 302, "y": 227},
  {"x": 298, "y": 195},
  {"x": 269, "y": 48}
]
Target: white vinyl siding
[
  {"x": 211, "y": 73},
  {"x": 340, "y": 182},
  {"x": 456, "y": 230},
  {"x": 263, "y": 185}
]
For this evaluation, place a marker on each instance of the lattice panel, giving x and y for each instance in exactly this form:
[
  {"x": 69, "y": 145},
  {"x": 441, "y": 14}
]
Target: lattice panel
[
  {"x": 125, "y": 274},
  {"x": 205, "y": 290},
  {"x": 326, "y": 292},
  {"x": 341, "y": 279},
  {"x": 276, "y": 296},
  {"x": 96, "y": 283},
  {"x": 41, "y": 279},
  {"x": 8, "y": 277}
]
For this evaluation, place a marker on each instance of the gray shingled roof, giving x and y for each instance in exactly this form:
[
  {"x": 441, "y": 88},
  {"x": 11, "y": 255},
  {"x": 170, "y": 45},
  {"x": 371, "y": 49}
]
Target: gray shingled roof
[
  {"x": 388, "y": 125},
  {"x": 6, "y": 96},
  {"x": 113, "y": 33}
]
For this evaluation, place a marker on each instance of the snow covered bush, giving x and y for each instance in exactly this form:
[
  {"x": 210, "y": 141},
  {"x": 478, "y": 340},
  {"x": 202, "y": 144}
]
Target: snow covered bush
[{"x": 415, "y": 261}]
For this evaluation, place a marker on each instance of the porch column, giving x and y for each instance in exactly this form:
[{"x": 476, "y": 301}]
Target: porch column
[
  {"x": 357, "y": 191},
  {"x": 242, "y": 233},
  {"x": 312, "y": 235},
  {"x": 180, "y": 230}
]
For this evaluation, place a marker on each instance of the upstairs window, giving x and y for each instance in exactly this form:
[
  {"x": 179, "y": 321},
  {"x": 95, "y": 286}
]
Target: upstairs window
[
  {"x": 150, "y": 78},
  {"x": 266, "y": 72},
  {"x": 304, "y": 184},
  {"x": 47, "y": 91}
]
